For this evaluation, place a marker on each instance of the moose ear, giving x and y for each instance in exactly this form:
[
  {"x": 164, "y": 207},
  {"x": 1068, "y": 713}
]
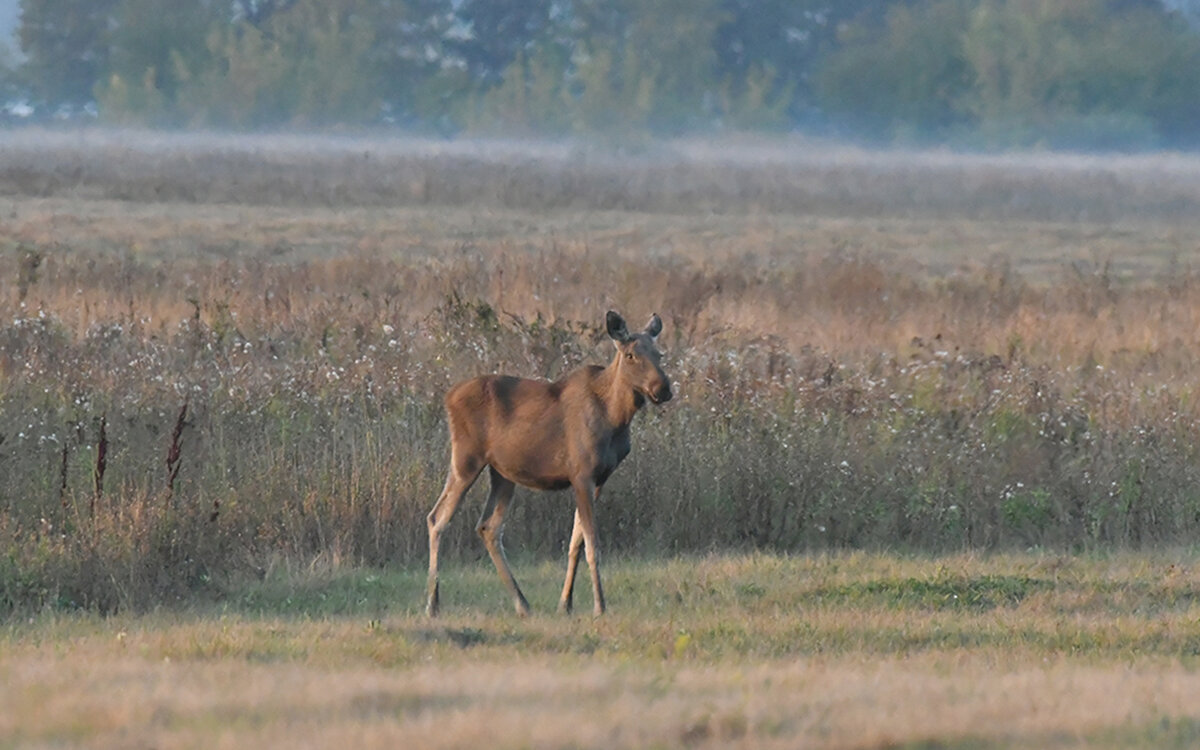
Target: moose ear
[
  {"x": 654, "y": 327},
  {"x": 616, "y": 326}
]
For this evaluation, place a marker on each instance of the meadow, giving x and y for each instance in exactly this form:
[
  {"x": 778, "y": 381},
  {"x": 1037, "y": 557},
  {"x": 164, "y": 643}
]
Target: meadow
[
  {"x": 840, "y": 650},
  {"x": 934, "y": 426}
]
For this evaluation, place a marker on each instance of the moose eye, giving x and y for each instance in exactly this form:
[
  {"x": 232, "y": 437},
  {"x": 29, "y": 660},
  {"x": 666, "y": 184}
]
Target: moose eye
[{"x": 630, "y": 356}]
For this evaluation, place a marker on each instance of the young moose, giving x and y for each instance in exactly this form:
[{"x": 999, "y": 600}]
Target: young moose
[{"x": 548, "y": 436}]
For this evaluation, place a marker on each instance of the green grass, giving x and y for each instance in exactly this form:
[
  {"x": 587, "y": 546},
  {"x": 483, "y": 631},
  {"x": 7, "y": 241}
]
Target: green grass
[
  {"x": 838, "y": 650},
  {"x": 731, "y": 607}
]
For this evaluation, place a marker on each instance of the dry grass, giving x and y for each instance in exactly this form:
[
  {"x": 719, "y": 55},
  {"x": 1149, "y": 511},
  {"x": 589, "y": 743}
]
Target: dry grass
[
  {"x": 837, "y": 286},
  {"x": 109, "y": 700},
  {"x": 858, "y": 378},
  {"x": 711, "y": 652}
]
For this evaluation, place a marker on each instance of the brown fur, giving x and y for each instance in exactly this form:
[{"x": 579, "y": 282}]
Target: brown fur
[{"x": 548, "y": 436}]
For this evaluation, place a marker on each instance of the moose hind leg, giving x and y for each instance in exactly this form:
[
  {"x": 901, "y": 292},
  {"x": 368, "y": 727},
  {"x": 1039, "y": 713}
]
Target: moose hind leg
[
  {"x": 457, "y": 484},
  {"x": 491, "y": 530}
]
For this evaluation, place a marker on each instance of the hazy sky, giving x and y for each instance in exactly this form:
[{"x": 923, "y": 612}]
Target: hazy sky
[{"x": 9, "y": 9}]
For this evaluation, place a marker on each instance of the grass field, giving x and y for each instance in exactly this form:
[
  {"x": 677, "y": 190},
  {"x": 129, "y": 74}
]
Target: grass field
[
  {"x": 830, "y": 651},
  {"x": 930, "y": 479}
]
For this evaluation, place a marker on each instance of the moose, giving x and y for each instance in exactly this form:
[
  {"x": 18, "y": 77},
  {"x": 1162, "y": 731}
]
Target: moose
[{"x": 544, "y": 435}]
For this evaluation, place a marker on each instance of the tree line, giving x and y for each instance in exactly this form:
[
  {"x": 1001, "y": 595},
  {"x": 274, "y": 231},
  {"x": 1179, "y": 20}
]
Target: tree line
[{"x": 992, "y": 73}]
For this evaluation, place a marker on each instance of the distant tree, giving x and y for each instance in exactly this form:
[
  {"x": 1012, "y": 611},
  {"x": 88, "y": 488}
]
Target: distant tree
[
  {"x": 644, "y": 64},
  {"x": 1095, "y": 72},
  {"x": 1189, "y": 10},
  {"x": 418, "y": 84},
  {"x": 256, "y": 12},
  {"x": 489, "y": 34},
  {"x": 613, "y": 96},
  {"x": 309, "y": 63},
  {"x": 1091, "y": 73},
  {"x": 334, "y": 77},
  {"x": 531, "y": 99},
  {"x": 66, "y": 46},
  {"x": 674, "y": 39},
  {"x": 904, "y": 75},
  {"x": 781, "y": 40},
  {"x": 155, "y": 48},
  {"x": 9, "y": 86},
  {"x": 621, "y": 67},
  {"x": 246, "y": 84},
  {"x": 757, "y": 102}
]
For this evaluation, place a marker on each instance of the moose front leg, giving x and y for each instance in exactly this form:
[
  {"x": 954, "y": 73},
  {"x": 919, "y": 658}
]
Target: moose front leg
[
  {"x": 586, "y": 527},
  {"x": 568, "y": 592}
]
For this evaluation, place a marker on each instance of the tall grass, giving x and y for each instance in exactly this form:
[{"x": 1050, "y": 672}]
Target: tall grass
[{"x": 262, "y": 407}]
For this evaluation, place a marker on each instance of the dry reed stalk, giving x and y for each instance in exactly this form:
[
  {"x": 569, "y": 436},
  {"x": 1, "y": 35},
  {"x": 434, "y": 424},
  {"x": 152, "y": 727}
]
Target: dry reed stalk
[
  {"x": 174, "y": 452},
  {"x": 101, "y": 465},
  {"x": 62, "y": 473}
]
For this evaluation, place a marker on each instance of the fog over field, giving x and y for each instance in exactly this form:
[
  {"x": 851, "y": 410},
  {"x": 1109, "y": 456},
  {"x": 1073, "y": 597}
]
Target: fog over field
[{"x": 790, "y": 176}]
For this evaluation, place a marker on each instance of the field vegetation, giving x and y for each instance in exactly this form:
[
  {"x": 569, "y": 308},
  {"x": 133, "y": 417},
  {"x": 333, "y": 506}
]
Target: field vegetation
[
  {"x": 923, "y": 452},
  {"x": 839, "y": 650},
  {"x": 195, "y": 391}
]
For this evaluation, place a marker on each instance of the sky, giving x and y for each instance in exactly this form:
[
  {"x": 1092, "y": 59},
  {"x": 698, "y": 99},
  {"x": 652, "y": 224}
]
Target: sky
[{"x": 9, "y": 12}]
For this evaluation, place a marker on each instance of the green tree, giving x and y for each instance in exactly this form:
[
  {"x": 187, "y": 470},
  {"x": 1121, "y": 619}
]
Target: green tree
[
  {"x": 333, "y": 77},
  {"x": 1082, "y": 72},
  {"x": 312, "y": 62},
  {"x": 8, "y": 73},
  {"x": 245, "y": 86},
  {"x": 66, "y": 46},
  {"x": 623, "y": 68},
  {"x": 305, "y": 62},
  {"x": 530, "y": 100},
  {"x": 256, "y": 12},
  {"x": 902, "y": 76},
  {"x": 614, "y": 95},
  {"x": 780, "y": 41},
  {"x": 417, "y": 85},
  {"x": 644, "y": 64},
  {"x": 498, "y": 31},
  {"x": 673, "y": 40},
  {"x": 756, "y": 102},
  {"x": 155, "y": 48}
]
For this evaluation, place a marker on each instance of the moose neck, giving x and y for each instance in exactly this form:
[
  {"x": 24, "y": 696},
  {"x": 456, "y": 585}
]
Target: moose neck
[{"x": 620, "y": 400}]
